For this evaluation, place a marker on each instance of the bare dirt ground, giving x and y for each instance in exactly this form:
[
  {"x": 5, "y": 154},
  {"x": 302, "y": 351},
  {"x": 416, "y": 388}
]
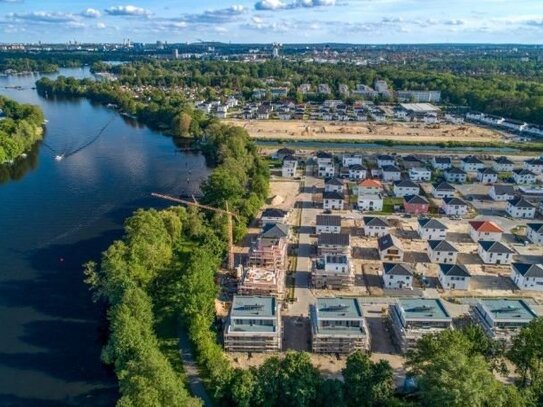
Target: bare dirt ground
[{"x": 307, "y": 130}]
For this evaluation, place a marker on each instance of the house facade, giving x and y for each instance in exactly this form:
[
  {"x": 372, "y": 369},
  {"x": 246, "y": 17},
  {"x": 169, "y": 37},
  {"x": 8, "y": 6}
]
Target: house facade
[
  {"x": 328, "y": 224},
  {"x": 524, "y": 177},
  {"x": 441, "y": 163},
  {"x": 375, "y": 226},
  {"x": 334, "y": 243},
  {"x": 405, "y": 188},
  {"x": 485, "y": 230},
  {"x": 455, "y": 175},
  {"x": 527, "y": 276},
  {"x": 442, "y": 251},
  {"x": 502, "y": 192},
  {"x": 471, "y": 164},
  {"x": 487, "y": 176},
  {"x": 370, "y": 202},
  {"x": 494, "y": 252},
  {"x": 431, "y": 229},
  {"x": 390, "y": 248},
  {"x": 419, "y": 174},
  {"x": 454, "y": 276},
  {"x": 391, "y": 173},
  {"x": 520, "y": 208},
  {"x": 534, "y": 233},
  {"x": 333, "y": 201},
  {"x": 454, "y": 207},
  {"x": 503, "y": 164},
  {"x": 443, "y": 190},
  {"x": 397, "y": 276},
  {"x": 415, "y": 204}
]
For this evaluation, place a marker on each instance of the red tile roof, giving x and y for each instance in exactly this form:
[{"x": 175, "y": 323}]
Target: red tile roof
[{"x": 485, "y": 226}]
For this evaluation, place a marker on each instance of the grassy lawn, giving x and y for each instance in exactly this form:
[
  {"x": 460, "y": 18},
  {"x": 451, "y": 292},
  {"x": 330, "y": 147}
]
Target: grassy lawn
[{"x": 389, "y": 202}]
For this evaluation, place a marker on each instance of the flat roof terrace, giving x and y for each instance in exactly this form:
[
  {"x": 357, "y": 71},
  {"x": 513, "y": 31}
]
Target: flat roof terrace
[
  {"x": 250, "y": 306},
  {"x": 423, "y": 309},
  {"x": 338, "y": 308},
  {"x": 507, "y": 310}
]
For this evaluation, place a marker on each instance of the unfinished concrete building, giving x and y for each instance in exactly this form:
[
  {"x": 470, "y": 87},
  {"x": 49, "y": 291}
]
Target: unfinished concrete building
[
  {"x": 254, "y": 280},
  {"x": 270, "y": 248},
  {"x": 411, "y": 318},
  {"x": 332, "y": 272},
  {"x": 254, "y": 325},
  {"x": 338, "y": 326}
]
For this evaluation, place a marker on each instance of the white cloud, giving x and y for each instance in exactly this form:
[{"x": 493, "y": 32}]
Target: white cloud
[
  {"x": 91, "y": 13},
  {"x": 100, "y": 26},
  {"x": 43, "y": 17},
  {"x": 270, "y": 5},
  {"x": 128, "y": 10},
  {"x": 454, "y": 22}
]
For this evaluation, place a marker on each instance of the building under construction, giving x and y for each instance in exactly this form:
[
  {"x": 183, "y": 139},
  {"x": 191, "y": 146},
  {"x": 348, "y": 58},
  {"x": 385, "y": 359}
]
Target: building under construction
[
  {"x": 270, "y": 248},
  {"x": 254, "y": 280}
]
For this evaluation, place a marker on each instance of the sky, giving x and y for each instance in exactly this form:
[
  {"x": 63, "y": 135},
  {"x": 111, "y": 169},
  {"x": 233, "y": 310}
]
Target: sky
[{"x": 266, "y": 21}]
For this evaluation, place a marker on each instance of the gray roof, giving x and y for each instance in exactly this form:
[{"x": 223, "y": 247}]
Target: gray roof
[
  {"x": 328, "y": 220},
  {"x": 384, "y": 157},
  {"x": 391, "y": 168},
  {"x": 333, "y": 181},
  {"x": 534, "y": 161},
  {"x": 357, "y": 167},
  {"x": 324, "y": 154},
  {"x": 503, "y": 160},
  {"x": 454, "y": 201},
  {"x": 487, "y": 171},
  {"x": 504, "y": 189},
  {"x": 443, "y": 186},
  {"x": 406, "y": 183},
  {"x": 334, "y": 239},
  {"x": 536, "y": 227},
  {"x": 528, "y": 270},
  {"x": 275, "y": 231},
  {"x": 273, "y": 213},
  {"x": 441, "y": 246},
  {"x": 521, "y": 203},
  {"x": 397, "y": 269},
  {"x": 522, "y": 171},
  {"x": 388, "y": 241},
  {"x": 494, "y": 247},
  {"x": 471, "y": 159},
  {"x": 455, "y": 270},
  {"x": 375, "y": 221},
  {"x": 415, "y": 199},
  {"x": 455, "y": 170},
  {"x": 429, "y": 223},
  {"x": 333, "y": 195},
  {"x": 442, "y": 160},
  {"x": 249, "y": 306}
]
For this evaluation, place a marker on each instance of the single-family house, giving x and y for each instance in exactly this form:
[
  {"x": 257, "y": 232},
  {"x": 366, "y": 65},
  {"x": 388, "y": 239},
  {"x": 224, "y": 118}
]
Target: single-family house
[
  {"x": 391, "y": 173},
  {"x": 441, "y": 163},
  {"x": 524, "y": 176},
  {"x": 503, "y": 164},
  {"x": 410, "y": 161},
  {"x": 333, "y": 185},
  {"x": 527, "y": 276},
  {"x": 384, "y": 160},
  {"x": 454, "y": 276},
  {"x": 370, "y": 202},
  {"x": 534, "y": 232},
  {"x": 289, "y": 168},
  {"x": 333, "y": 200},
  {"x": 405, "y": 187},
  {"x": 431, "y": 229},
  {"x": 397, "y": 275},
  {"x": 454, "y": 207},
  {"x": 502, "y": 192},
  {"x": 375, "y": 226},
  {"x": 420, "y": 174},
  {"x": 390, "y": 248},
  {"x": 457, "y": 175},
  {"x": 485, "y": 230},
  {"x": 357, "y": 172},
  {"x": 273, "y": 216},
  {"x": 324, "y": 157},
  {"x": 487, "y": 176},
  {"x": 471, "y": 163},
  {"x": 326, "y": 170},
  {"x": 282, "y": 153},
  {"x": 370, "y": 186},
  {"x": 351, "y": 159},
  {"x": 494, "y": 252},
  {"x": 442, "y": 190},
  {"x": 442, "y": 251},
  {"x": 520, "y": 208},
  {"x": 332, "y": 271},
  {"x": 415, "y": 204},
  {"x": 328, "y": 224},
  {"x": 535, "y": 165},
  {"x": 334, "y": 243}
]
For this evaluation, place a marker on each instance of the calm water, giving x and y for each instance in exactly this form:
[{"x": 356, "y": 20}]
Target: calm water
[{"x": 54, "y": 216}]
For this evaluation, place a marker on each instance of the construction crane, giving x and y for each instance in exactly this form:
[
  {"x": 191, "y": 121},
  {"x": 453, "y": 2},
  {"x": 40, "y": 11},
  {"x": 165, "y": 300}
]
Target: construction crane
[{"x": 226, "y": 212}]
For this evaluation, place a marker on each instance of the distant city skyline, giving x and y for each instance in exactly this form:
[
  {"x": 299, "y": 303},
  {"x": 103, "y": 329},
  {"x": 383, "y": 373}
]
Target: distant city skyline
[{"x": 265, "y": 21}]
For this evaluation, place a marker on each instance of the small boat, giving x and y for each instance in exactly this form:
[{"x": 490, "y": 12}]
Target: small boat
[{"x": 59, "y": 157}]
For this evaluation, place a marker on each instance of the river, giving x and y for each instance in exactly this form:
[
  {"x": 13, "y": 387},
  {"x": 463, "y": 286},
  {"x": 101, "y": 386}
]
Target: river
[{"x": 56, "y": 215}]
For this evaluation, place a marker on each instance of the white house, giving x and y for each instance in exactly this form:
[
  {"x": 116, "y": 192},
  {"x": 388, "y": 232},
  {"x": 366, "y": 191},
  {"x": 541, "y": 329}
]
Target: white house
[
  {"x": 405, "y": 187},
  {"x": 443, "y": 190},
  {"x": 420, "y": 174},
  {"x": 370, "y": 186},
  {"x": 334, "y": 243},
  {"x": 485, "y": 230},
  {"x": 441, "y": 163},
  {"x": 534, "y": 232},
  {"x": 487, "y": 176},
  {"x": 357, "y": 172},
  {"x": 333, "y": 200},
  {"x": 326, "y": 170},
  {"x": 397, "y": 276},
  {"x": 441, "y": 251},
  {"x": 351, "y": 159},
  {"x": 375, "y": 227},
  {"x": 454, "y": 276},
  {"x": 471, "y": 164},
  {"x": 535, "y": 165},
  {"x": 454, "y": 174},
  {"x": 390, "y": 248},
  {"x": 289, "y": 168},
  {"x": 502, "y": 192},
  {"x": 503, "y": 164},
  {"x": 333, "y": 185},
  {"x": 391, "y": 173},
  {"x": 370, "y": 202},
  {"x": 431, "y": 229},
  {"x": 520, "y": 208},
  {"x": 523, "y": 176},
  {"x": 384, "y": 160},
  {"x": 328, "y": 224},
  {"x": 494, "y": 252},
  {"x": 527, "y": 276},
  {"x": 272, "y": 216},
  {"x": 454, "y": 207},
  {"x": 324, "y": 158}
]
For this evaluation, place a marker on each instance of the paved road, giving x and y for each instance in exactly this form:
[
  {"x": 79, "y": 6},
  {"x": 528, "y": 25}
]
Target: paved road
[{"x": 192, "y": 372}]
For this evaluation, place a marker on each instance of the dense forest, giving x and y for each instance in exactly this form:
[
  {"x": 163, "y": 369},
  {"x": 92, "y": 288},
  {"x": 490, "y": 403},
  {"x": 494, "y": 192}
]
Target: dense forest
[{"x": 21, "y": 126}]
